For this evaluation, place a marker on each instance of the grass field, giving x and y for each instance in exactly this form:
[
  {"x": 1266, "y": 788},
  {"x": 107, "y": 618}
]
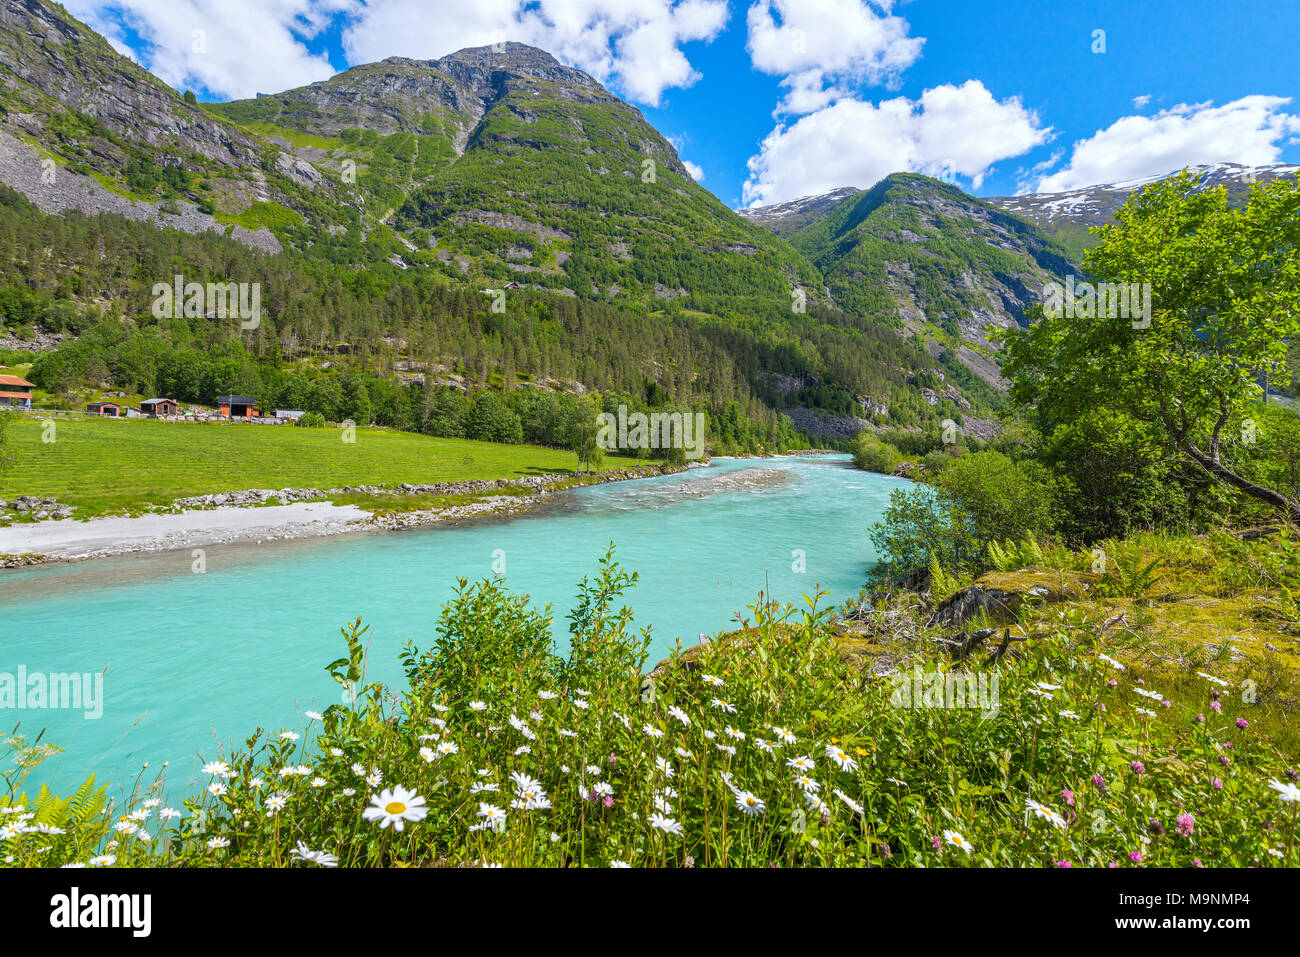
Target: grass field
[{"x": 113, "y": 466}]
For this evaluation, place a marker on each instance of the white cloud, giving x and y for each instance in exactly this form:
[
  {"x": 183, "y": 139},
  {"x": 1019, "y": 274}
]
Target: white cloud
[
  {"x": 821, "y": 47},
  {"x": 1245, "y": 131},
  {"x": 1140, "y": 102},
  {"x": 257, "y": 46},
  {"x": 233, "y": 48},
  {"x": 634, "y": 45},
  {"x": 949, "y": 131},
  {"x": 1025, "y": 179},
  {"x": 679, "y": 144}
]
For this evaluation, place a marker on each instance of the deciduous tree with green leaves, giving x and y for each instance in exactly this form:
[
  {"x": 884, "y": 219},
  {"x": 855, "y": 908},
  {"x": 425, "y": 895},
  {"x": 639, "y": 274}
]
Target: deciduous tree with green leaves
[{"x": 1225, "y": 295}]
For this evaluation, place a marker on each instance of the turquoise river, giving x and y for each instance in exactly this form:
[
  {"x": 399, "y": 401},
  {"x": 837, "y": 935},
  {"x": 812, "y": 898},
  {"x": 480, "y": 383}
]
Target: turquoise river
[{"x": 197, "y": 661}]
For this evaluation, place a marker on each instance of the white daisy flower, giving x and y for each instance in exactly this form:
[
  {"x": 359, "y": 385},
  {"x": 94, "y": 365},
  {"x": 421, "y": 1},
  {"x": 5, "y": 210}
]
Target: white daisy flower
[
  {"x": 956, "y": 840},
  {"x": 1045, "y": 813},
  {"x": 1286, "y": 791},
  {"x": 666, "y": 824},
  {"x": 848, "y": 801},
  {"x": 394, "y": 807},
  {"x": 492, "y": 815},
  {"x": 303, "y": 853},
  {"x": 750, "y": 804}
]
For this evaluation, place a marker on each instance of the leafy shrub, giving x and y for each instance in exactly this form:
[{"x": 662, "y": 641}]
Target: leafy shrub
[
  {"x": 1004, "y": 498},
  {"x": 922, "y": 525},
  {"x": 937, "y": 461},
  {"x": 872, "y": 455},
  {"x": 311, "y": 420}
]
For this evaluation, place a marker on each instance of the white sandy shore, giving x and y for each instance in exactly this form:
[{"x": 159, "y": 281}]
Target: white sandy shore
[
  {"x": 54, "y": 540},
  {"x": 70, "y": 539}
]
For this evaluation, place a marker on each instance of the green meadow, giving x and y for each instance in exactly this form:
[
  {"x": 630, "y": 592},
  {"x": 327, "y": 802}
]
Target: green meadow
[{"x": 112, "y": 466}]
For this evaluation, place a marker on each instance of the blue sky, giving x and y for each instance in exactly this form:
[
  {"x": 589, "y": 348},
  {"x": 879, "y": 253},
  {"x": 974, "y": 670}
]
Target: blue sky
[{"x": 772, "y": 99}]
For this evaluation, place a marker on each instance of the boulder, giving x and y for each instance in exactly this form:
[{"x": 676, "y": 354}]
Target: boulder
[{"x": 1000, "y": 595}]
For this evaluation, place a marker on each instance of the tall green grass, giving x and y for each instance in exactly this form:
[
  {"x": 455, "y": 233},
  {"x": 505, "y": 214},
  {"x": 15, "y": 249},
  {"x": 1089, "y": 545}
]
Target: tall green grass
[{"x": 104, "y": 465}]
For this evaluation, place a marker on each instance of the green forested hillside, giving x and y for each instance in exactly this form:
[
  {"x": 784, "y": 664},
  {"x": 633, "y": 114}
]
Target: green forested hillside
[
  {"x": 915, "y": 245},
  {"x": 330, "y": 333},
  {"x": 398, "y": 194}
]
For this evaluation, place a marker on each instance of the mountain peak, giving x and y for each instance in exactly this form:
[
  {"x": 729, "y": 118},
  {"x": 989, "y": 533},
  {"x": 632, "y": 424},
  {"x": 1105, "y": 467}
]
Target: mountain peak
[
  {"x": 792, "y": 214},
  {"x": 509, "y": 55}
]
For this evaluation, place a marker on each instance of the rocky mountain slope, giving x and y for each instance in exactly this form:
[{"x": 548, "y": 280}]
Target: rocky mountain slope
[
  {"x": 921, "y": 252},
  {"x": 1067, "y": 216},
  {"x": 82, "y": 127},
  {"x": 501, "y": 164},
  {"x": 495, "y": 165}
]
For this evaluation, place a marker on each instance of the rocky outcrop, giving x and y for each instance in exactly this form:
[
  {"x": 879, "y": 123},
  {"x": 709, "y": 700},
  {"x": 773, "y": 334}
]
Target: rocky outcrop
[
  {"x": 53, "y": 60},
  {"x": 34, "y": 506},
  {"x": 21, "y": 168},
  {"x": 1000, "y": 595},
  {"x": 822, "y": 425},
  {"x": 66, "y": 90}
]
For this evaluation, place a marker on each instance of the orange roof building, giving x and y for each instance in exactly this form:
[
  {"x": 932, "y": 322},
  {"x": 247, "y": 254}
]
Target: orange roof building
[{"x": 16, "y": 392}]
